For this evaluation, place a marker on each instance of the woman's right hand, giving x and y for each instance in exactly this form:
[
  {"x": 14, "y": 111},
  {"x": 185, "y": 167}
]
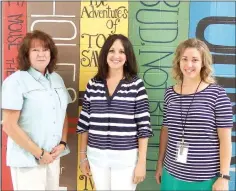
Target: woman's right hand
[
  {"x": 84, "y": 166},
  {"x": 158, "y": 172}
]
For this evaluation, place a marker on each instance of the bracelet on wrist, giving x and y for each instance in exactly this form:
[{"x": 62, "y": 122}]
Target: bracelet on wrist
[
  {"x": 63, "y": 143},
  {"x": 82, "y": 161},
  {"x": 83, "y": 152},
  {"x": 227, "y": 177},
  {"x": 41, "y": 156}
]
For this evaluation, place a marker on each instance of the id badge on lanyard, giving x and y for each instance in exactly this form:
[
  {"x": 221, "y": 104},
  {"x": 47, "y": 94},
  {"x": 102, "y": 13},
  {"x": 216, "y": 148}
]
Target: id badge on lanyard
[
  {"x": 182, "y": 152},
  {"x": 182, "y": 147}
]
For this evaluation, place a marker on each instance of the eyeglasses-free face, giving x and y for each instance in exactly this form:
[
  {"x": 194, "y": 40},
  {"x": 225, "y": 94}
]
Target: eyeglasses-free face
[
  {"x": 191, "y": 64},
  {"x": 39, "y": 56},
  {"x": 116, "y": 57}
]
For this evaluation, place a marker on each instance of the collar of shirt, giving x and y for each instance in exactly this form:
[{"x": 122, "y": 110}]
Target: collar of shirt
[{"x": 38, "y": 75}]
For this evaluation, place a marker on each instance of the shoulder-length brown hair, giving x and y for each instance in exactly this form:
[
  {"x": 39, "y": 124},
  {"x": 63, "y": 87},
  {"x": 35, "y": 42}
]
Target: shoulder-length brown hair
[
  {"x": 130, "y": 67},
  {"x": 206, "y": 72},
  {"x": 47, "y": 42}
]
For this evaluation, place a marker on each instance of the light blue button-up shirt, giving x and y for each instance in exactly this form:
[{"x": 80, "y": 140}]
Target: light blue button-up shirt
[{"x": 43, "y": 101}]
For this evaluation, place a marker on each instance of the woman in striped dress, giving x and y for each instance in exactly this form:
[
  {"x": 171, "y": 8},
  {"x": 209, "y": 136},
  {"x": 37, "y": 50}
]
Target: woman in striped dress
[
  {"x": 195, "y": 140},
  {"x": 115, "y": 120}
]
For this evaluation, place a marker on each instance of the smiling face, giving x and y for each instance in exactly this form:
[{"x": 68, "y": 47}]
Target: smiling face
[
  {"x": 116, "y": 57},
  {"x": 191, "y": 64},
  {"x": 39, "y": 56}
]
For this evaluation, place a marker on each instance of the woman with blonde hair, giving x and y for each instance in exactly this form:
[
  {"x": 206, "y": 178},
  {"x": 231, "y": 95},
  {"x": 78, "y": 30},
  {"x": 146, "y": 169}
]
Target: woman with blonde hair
[{"x": 195, "y": 140}]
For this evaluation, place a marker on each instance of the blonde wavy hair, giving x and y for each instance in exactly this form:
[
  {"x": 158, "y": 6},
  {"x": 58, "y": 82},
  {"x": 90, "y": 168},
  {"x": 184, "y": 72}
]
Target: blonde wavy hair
[{"x": 206, "y": 72}]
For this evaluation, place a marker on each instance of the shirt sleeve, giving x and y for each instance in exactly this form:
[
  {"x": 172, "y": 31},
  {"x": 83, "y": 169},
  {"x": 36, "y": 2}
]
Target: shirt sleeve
[
  {"x": 12, "y": 96},
  {"x": 165, "y": 122},
  {"x": 69, "y": 100},
  {"x": 83, "y": 121},
  {"x": 223, "y": 111},
  {"x": 142, "y": 115}
]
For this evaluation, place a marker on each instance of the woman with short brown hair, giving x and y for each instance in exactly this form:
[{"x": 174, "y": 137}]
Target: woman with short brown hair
[{"x": 34, "y": 102}]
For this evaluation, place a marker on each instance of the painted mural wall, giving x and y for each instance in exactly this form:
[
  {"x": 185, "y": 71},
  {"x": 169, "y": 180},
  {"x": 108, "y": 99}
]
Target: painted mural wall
[{"x": 155, "y": 28}]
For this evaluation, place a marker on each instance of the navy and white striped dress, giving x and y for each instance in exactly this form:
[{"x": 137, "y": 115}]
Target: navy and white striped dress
[
  {"x": 211, "y": 109},
  {"x": 115, "y": 123}
]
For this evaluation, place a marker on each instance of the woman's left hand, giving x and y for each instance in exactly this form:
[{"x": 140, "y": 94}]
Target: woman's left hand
[
  {"x": 57, "y": 150},
  {"x": 220, "y": 184},
  {"x": 139, "y": 173}
]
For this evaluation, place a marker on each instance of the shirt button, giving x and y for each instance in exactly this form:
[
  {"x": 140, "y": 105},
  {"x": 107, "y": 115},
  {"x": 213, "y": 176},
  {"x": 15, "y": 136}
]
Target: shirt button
[
  {"x": 53, "y": 107},
  {"x": 54, "y": 122}
]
